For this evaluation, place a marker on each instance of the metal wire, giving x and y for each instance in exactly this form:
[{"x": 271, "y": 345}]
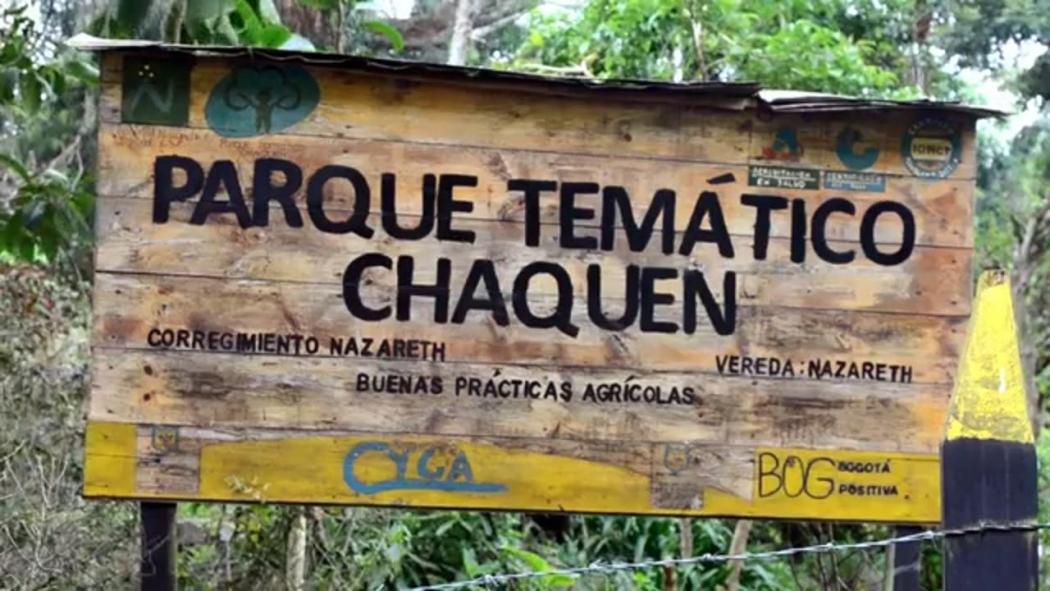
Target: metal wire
[{"x": 614, "y": 567}]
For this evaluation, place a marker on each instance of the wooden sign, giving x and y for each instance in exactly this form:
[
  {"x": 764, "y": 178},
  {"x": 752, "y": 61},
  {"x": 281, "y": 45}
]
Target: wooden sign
[{"x": 325, "y": 281}]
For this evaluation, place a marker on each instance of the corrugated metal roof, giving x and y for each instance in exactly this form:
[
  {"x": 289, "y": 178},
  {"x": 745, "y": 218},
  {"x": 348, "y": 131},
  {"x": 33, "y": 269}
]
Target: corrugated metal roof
[
  {"x": 786, "y": 101},
  {"x": 732, "y": 95}
]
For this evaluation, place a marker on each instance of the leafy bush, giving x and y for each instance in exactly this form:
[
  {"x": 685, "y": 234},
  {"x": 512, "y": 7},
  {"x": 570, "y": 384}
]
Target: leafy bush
[
  {"x": 49, "y": 537},
  {"x": 47, "y": 122}
]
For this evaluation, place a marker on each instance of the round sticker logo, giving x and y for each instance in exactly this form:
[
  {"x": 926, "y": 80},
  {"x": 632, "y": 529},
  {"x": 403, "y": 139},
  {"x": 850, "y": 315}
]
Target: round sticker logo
[
  {"x": 259, "y": 100},
  {"x": 931, "y": 148},
  {"x": 854, "y": 151}
]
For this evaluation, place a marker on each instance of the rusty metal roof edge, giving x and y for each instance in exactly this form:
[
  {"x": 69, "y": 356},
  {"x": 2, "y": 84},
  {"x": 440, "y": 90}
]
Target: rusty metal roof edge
[
  {"x": 742, "y": 95},
  {"x": 791, "y": 101}
]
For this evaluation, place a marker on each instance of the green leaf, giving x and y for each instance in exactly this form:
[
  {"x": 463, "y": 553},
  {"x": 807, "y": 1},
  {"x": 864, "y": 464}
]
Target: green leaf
[
  {"x": 16, "y": 166},
  {"x": 82, "y": 70},
  {"x": 320, "y": 4},
  {"x": 386, "y": 30},
  {"x": 224, "y": 31},
  {"x": 29, "y": 90},
  {"x": 56, "y": 175},
  {"x": 274, "y": 35},
  {"x": 32, "y": 215},
  {"x": 533, "y": 560},
  {"x": 8, "y": 82},
  {"x": 132, "y": 14},
  {"x": 537, "y": 563},
  {"x": 202, "y": 10},
  {"x": 250, "y": 23},
  {"x": 268, "y": 12}
]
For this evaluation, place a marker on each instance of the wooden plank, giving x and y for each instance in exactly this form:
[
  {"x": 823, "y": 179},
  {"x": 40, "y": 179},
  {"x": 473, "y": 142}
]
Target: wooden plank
[
  {"x": 128, "y": 307},
  {"x": 930, "y": 282},
  {"x": 440, "y": 398},
  {"x": 112, "y": 471},
  {"x": 734, "y": 99},
  {"x": 128, "y": 153},
  {"x": 369, "y": 106},
  {"x": 533, "y": 474},
  {"x": 233, "y": 364}
]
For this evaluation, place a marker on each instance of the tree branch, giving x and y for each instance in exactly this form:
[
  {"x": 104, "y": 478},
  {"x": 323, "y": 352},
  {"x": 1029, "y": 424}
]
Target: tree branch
[{"x": 459, "y": 43}]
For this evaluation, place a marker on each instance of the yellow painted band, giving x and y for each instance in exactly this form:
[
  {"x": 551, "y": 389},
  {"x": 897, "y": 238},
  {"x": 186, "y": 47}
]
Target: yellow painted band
[
  {"x": 431, "y": 472},
  {"x": 109, "y": 459},
  {"x": 988, "y": 401},
  {"x": 419, "y": 471}
]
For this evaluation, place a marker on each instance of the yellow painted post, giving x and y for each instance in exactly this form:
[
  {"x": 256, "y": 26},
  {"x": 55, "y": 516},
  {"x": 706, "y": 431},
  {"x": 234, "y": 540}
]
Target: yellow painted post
[{"x": 988, "y": 468}]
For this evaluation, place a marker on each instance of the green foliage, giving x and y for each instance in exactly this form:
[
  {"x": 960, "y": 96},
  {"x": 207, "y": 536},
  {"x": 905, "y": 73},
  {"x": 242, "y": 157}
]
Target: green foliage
[
  {"x": 536, "y": 563},
  {"x": 348, "y": 17},
  {"x": 633, "y": 39},
  {"x": 48, "y": 215},
  {"x": 50, "y": 538},
  {"x": 1043, "y": 457},
  {"x": 253, "y": 23},
  {"x": 380, "y": 549},
  {"x": 387, "y": 31},
  {"x": 727, "y": 40},
  {"x": 46, "y": 119},
  {"x": 1013, "y": 222},
  {"x": 978, "y": 29},
  {"x": 984, "y": 33},
  {"x": 834, "y": 62}
]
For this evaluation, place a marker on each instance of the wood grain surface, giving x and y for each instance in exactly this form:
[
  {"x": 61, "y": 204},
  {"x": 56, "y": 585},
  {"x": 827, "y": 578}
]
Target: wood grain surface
[{"x": 228, "y": 366}]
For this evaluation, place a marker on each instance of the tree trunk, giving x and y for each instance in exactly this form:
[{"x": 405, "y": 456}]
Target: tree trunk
[
  {"x": 295, "y": 569},
  {"x": 685, "y": 525},
  {"x": 459, "y": 44},
  {"x": 316, "y": 25},
  {"x": 738, "y": 546}
]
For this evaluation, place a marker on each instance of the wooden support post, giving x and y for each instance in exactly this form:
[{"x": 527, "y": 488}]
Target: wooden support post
[
  {"x": 157, "y": 554},
  {"x": 988, "y": 462}
]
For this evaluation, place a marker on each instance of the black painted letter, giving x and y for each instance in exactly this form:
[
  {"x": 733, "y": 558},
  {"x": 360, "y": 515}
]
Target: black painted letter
[
  {"x": 763, "y": 204},
  {"x": 222, "y": 174},
  {"x": 264, "y": 191},
  {"x": 447, "y": 206},
  {"x": 352, "y": 286},
  {"x": 482, "y": 272},
  {"x": 358, "y": 221},
  {"x": 562, "y": 316},
  {"x": 532, "y": 190},
  {"x": 568, "y": 213},
  {"x": 388, "y": 206},
  {"x": 594, "y": 299},
  {"x": 650, "y": 299},
  {"x": 164, "y": 190},
  {"x": 707, "y": 206},
  {"x": 638, "y": 236},
  {"x": 695, "y": 286},
  {"x": 867, "y": 233},
  {"x": 819, "y": 232},
  {"x": 406, "y": 290}
]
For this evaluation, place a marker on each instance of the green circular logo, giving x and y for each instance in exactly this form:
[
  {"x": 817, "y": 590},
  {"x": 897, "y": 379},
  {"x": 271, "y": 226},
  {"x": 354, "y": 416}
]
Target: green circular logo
[
  {"x": 261, "y": 99},
  {"x": 931, "y": 148}
]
